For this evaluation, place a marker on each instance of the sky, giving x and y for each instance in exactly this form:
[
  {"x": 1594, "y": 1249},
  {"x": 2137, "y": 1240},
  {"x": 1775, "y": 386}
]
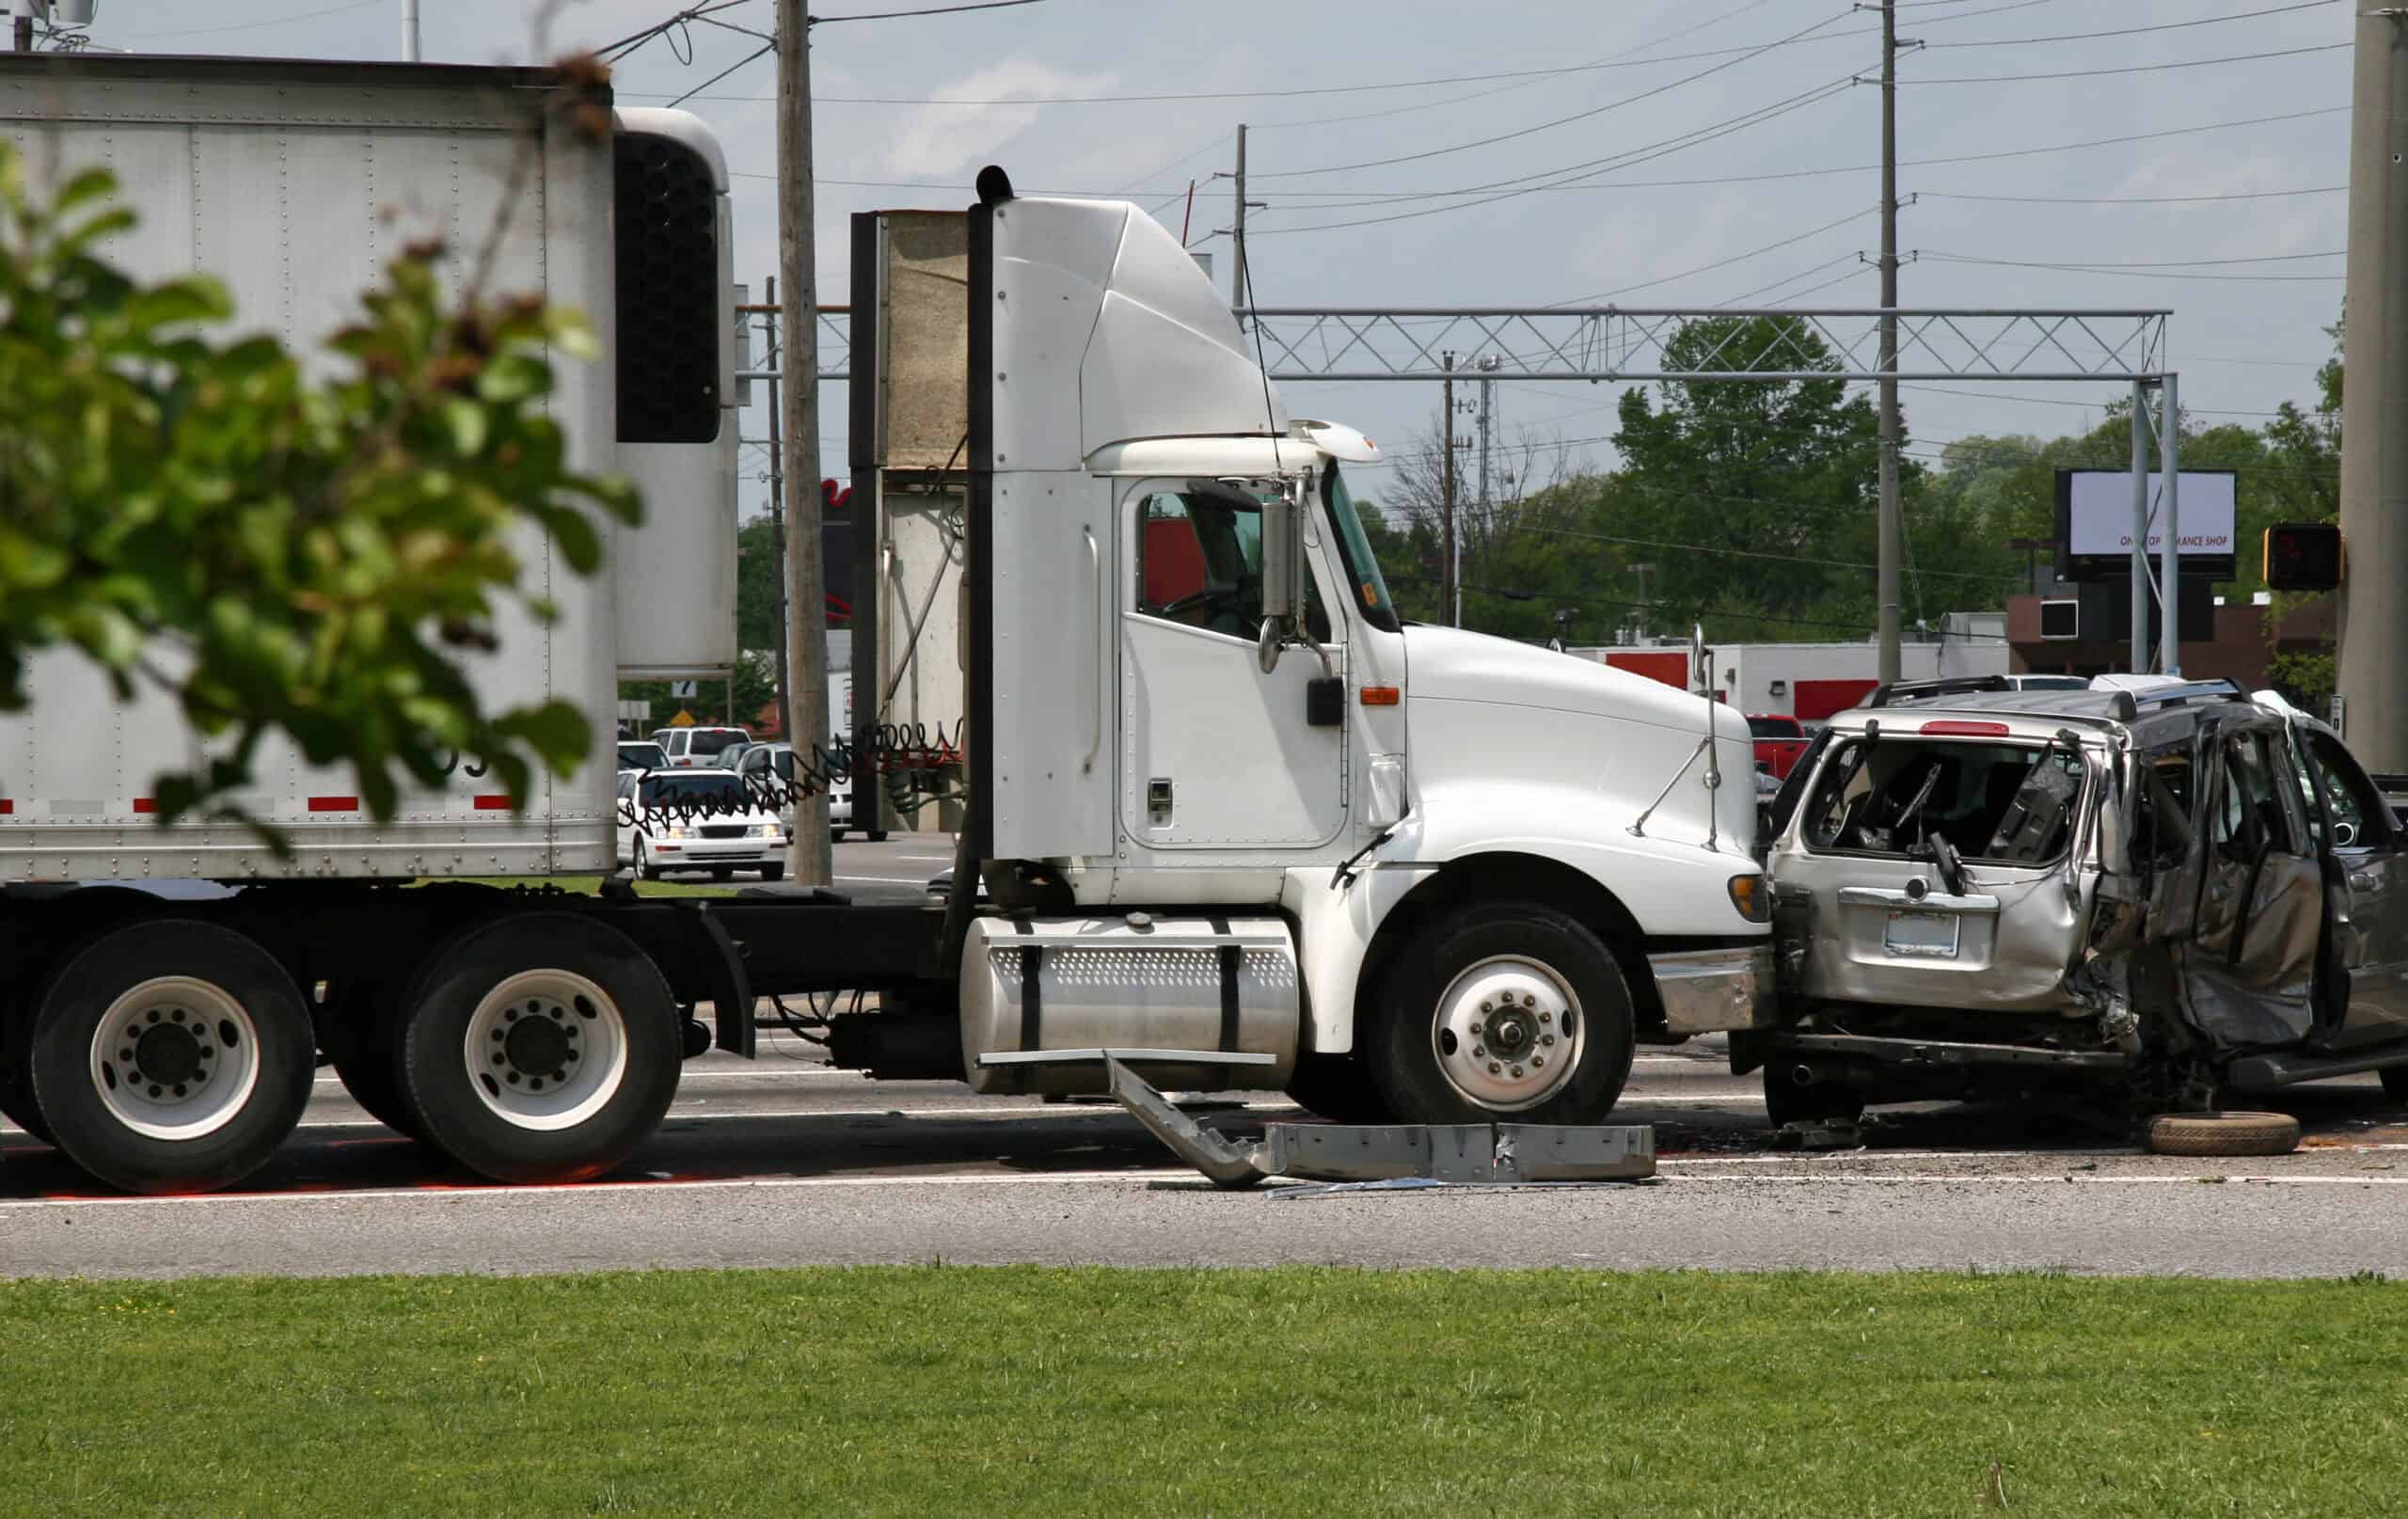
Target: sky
[{"x": 1355, "y": 107}]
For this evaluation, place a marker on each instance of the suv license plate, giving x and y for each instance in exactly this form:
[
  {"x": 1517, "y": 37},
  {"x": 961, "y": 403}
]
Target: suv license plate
[{"x": 1931, "y": 935}]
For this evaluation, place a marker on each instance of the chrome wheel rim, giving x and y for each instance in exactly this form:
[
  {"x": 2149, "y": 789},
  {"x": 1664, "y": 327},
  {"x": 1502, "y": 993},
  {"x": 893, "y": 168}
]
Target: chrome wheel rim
[
  {"x": 545, "y": 1049},
  {"x": 1508, "y": 1033},
  {"x": 175, "y": 1058}
]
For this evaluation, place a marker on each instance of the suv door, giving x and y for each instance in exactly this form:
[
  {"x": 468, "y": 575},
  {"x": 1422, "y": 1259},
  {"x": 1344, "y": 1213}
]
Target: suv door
[
  {"x": 2248, "y": 960},
  {"x": 2348, "y": 815}
]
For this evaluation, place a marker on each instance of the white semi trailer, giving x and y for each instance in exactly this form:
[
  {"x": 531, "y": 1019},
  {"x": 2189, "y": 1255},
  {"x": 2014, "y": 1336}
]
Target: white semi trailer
[{"x": 1229, "y": 812}]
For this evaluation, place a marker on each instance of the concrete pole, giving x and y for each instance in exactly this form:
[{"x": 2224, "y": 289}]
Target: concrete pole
[
  {"x": 806, "y": 579},
  {"x": 1892, "y": 529},
  {"x": 410, "y": 31},
  {"x": 1451, "y": 598},
  {"x": 2169, "y": 561},
  {"x": 2138, "y": 662},
  {"x": 1237, "y": 235},
  {"x": 2374, "y": 404},
  {"x": 21, "y": 14}
]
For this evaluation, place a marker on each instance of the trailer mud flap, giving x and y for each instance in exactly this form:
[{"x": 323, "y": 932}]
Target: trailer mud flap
[{"x": 722, "y": 966}]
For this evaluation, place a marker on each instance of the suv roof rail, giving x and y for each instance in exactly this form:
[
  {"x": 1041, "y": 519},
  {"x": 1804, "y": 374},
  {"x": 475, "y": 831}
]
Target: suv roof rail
[
  {"x": 2190, "y": 690},
  {"x": 1905, "y": 690}
]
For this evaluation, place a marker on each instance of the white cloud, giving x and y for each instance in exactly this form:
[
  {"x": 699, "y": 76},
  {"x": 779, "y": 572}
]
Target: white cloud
[{"x": 947, "y": 139}]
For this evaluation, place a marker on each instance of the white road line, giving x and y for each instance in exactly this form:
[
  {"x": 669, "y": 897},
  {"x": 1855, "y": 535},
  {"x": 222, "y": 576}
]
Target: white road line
[{"x": 1053, "y": 1179}]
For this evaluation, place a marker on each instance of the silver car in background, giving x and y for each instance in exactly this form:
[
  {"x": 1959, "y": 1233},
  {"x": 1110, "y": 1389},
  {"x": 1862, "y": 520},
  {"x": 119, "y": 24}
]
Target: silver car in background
[{"x": 2162, "y": 894}]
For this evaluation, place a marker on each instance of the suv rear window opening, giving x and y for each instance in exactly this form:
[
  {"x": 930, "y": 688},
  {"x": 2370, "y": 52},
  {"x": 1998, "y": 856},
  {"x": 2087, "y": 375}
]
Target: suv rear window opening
[{"x": 2006, "y": 804}]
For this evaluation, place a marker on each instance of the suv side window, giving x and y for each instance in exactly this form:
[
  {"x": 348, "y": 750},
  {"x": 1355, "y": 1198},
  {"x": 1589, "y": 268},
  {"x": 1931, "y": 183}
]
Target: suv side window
[
  {"x": 2163, "y": 837},
  {"x": 2248, "y": 812}
]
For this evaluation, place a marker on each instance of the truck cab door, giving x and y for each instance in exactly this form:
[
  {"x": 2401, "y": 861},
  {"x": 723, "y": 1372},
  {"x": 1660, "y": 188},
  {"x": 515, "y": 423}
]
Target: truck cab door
[{"x": 1217, "y": 753}]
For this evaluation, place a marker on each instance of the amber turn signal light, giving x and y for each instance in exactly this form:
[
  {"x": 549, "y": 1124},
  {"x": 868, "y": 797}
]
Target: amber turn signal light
[
  {"x": 1752, "y": 896},
  {"x": 1382, "y": 696}
]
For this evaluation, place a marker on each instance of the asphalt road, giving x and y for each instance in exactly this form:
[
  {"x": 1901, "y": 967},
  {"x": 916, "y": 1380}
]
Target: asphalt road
[{"x": 786, "y": 1162}]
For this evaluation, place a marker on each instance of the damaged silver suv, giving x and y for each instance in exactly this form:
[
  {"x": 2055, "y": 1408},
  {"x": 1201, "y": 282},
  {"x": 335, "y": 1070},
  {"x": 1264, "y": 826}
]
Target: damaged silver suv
[{"x": 2161, "y": 894}]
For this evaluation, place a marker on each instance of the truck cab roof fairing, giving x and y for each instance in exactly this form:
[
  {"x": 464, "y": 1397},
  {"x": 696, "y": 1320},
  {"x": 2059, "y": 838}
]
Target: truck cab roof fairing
[{"x": 1149, "y": 351}]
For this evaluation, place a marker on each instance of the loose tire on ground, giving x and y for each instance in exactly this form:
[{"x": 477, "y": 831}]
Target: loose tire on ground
[
  {"x": 541, "y": 1046},
  {"x": 172, "y": 1056},
  {"x": 2222, "y": 1133},
  {"x": 1339, "y": 1088},
  {"x": 1443, "y": 1018}
]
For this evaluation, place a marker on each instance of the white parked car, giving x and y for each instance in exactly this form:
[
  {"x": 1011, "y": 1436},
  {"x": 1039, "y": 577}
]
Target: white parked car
[
  {"x": 642, "y": 754},
  {"x": 702, "y": 820},
  {"x": 687, "y": 747}
]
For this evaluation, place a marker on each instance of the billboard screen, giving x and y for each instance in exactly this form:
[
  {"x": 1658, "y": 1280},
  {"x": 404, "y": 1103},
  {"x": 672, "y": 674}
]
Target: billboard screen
[{"x": 2095, "y": 522}]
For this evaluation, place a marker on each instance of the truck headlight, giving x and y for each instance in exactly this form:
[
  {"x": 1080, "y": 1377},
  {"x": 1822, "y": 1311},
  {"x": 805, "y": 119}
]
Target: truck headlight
[{"x": 1752, "y": 896}]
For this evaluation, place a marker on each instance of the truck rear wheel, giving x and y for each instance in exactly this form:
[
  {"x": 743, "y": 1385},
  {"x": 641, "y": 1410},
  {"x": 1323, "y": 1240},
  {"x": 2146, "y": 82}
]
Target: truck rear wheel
[
  {"x": 1503, "y": 1010},
  {"x": 363, "y": 1041},
  {"x": 172, "y": 1056},
  {"x": 540, "y": 1048}
]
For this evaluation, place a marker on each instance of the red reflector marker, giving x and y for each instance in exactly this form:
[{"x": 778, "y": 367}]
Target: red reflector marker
[
  {"x": 1381, "y": 696},
  {"x": 144, "y": 805},
  {"x": 334, "y": 804},
  {"x": 7, "y": 806},
  {"x": 1945, "y": 728},
  {"x": 493, "y": 804}
]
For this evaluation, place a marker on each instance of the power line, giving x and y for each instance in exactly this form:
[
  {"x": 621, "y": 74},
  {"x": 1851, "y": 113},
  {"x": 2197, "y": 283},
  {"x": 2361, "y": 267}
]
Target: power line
[
  {"x": 2131, "y": 199},
  {"x": 937, "y": 10},
  {"x": 254, "y": 26},
  {"x": 1565, "y": 120},
  {"x": 2137, "y": 273},
  {"x": 2133, "y": 31},
  {"x": 1718, "y": 263},
  {"x": 2163, "y": 264},
  {"x": 760, "y": 52},
  {"x": 2133, "y": 69}
]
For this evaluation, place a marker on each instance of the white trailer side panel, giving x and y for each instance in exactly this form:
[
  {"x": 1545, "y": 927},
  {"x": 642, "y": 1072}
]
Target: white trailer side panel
[{"x": 295, "y": 184}]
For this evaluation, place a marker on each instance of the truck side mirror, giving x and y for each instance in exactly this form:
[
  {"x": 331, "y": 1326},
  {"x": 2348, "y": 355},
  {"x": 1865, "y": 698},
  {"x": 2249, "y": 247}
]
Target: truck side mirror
[{"x": 1283, "y": 576}]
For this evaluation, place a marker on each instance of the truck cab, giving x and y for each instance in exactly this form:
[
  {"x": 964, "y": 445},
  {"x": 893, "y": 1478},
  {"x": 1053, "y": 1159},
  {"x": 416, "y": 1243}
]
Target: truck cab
[{"x": 1229, "y": 801}]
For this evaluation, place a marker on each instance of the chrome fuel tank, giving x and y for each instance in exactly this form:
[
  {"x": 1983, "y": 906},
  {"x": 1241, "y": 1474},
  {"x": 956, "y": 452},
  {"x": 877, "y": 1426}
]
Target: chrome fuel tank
[{"x": 1217, "y": 984}]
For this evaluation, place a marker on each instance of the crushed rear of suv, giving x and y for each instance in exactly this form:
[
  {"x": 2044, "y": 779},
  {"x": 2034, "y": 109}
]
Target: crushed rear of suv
[{"x": 2159, "y": 894}]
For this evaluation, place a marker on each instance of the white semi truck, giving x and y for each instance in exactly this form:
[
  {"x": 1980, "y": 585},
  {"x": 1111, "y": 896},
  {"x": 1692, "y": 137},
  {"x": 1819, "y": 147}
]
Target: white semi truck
[{"x": 1234, "y": 819}]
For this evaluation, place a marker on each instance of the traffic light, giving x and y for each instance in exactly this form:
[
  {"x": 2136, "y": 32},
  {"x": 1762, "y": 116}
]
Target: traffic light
[{"x": 2302, "y": 555}]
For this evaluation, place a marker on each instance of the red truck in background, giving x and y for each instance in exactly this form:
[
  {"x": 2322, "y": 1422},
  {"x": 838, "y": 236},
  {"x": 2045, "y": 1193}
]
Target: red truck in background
[{"x": 1779, "y": 742}]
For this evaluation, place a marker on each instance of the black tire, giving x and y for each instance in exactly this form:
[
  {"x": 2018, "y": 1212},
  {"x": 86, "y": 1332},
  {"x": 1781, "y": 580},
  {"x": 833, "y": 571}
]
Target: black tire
[
  {"x": 148, "y": 973},
  {"x": 361, "y": 1034},
  {"x": 645, "y": 869},
  {"x": 2394, "y": 1082},
  {"x": 875, "y": 835},
  {"x": 1405, "y": 1046},
  {"x": 723, "y": 872},
  {"x": 565, "y": 960},
  {"x": 1786, "y": 1102},
  {"x": 776, "y": 872},
  {"x": 2221, "y": 1133},
  {"x": 1338, "y": 1087},
  {"x": 16, "y": 1073},
  {"x": 836, "y": 836}
]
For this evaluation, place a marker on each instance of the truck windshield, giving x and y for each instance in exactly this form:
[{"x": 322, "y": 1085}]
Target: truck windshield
[{"x": 1362, "y": 569}]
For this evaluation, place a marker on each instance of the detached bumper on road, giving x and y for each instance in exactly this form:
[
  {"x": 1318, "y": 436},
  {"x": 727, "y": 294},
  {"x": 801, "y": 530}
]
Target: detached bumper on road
[{"x": 1705, "y": 990}]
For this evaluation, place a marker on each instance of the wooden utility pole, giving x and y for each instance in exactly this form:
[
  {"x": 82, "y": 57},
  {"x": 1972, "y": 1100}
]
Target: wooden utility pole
[
  {"x": 778, "y": 511},
  {"x": 1893, "y": 528},
  {"x": 806, "y": 583},
  {"x": 2371, "y": 683}
]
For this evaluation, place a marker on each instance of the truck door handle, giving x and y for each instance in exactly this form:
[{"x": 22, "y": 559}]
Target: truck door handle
[
  {"x": 1095, "y": 649},
  {"x": 2361, "y": 880}
]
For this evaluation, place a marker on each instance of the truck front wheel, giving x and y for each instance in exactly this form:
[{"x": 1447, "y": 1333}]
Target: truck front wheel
[
  {"x": 1504, "y": 1010},
  {"x": 172, "y": 1056},
  {"x": 540, "y": 1048}
]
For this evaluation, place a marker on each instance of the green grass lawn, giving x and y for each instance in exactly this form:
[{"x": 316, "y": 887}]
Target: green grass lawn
[{"x": 945, "y": 1390}]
